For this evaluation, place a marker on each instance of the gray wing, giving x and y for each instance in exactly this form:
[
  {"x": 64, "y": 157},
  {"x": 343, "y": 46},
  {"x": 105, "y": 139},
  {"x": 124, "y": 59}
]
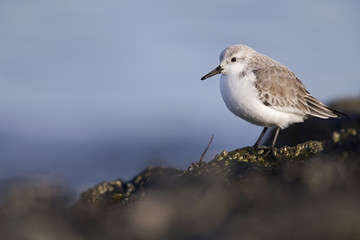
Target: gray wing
[{"x": 280, "y": 89}]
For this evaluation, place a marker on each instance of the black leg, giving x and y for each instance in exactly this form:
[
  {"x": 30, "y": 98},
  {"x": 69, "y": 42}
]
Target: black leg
[
  {"x": 273, "y": 143},
  {"x": 261, "y": 137},
  {"x": 275, "y": 138}
]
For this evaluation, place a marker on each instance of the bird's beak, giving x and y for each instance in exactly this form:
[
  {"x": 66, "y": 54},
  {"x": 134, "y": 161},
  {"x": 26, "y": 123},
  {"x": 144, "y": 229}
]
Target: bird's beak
[{"x": 212, "y": 73}]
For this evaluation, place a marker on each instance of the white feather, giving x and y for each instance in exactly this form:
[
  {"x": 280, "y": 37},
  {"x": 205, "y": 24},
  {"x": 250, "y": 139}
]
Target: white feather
[{"x": 241, "y": 98}]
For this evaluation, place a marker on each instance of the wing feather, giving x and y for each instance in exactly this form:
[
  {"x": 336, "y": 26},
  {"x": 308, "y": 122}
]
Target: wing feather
[{"x": 279, "y": 88}]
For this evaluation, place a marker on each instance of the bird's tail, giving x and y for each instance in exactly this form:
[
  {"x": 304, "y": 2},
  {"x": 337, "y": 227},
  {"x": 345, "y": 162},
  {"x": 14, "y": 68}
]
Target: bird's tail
[
  {"x": 320, "y": 110},
  {"x": 338, "y": 113}
]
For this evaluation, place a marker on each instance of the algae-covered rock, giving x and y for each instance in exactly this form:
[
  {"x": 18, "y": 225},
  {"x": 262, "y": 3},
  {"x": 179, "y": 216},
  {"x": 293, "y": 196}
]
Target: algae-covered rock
[
  {"x": 117, "y": 191},
  {"x": 308, "y": 190},
  {"x": 226, "y": 168}
]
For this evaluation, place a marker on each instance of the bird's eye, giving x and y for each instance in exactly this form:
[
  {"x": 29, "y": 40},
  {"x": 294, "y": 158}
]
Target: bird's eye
[{"x": 233, "y": 59}]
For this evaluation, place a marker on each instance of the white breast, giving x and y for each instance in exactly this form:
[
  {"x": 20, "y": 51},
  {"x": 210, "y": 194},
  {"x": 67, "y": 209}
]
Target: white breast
[{"x": 240, "y": 97}]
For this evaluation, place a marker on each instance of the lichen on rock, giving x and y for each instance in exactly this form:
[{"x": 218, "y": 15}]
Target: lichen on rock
[{"x": 226, "y": 168}]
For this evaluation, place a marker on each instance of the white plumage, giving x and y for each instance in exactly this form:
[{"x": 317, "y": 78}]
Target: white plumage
[
  {"x": 264, "y": 92},
  {"x": 241, "y": 98}
]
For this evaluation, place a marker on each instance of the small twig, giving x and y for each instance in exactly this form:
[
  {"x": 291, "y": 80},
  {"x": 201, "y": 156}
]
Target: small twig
[{"x": 212, "y": 136}]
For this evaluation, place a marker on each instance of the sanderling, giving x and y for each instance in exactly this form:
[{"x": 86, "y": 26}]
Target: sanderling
[{"x": 264, "y": 92}]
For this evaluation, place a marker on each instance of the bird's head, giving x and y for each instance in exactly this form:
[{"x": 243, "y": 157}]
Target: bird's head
[{"x": 232, "y": 59}]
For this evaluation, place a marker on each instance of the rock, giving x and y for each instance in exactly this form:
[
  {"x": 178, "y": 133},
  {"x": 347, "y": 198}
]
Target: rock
[
  {"x": 311, "y": 189},
  {"x": 225, "y": 168},
  {"x": 107, "y": 194}
]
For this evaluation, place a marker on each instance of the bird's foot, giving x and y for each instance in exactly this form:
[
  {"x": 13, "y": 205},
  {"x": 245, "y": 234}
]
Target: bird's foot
[
  {"x": 272, "y": 152},
  {"x": 264, "y": 151}
]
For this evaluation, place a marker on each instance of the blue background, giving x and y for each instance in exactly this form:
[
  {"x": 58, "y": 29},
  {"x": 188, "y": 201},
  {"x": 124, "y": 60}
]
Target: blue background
[{"x": 97, "y": 90}]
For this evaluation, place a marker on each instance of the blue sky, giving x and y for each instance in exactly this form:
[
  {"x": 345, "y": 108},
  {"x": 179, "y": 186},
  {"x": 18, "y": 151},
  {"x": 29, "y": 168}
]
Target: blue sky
[{"x": 86, "y": 72}]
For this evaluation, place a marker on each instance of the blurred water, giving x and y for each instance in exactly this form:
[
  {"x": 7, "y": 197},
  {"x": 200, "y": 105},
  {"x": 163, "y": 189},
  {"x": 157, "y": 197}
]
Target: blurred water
[{"x": 94, "y": 90}]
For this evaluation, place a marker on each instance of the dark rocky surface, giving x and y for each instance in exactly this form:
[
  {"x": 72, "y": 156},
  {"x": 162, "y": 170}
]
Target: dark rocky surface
[{"x": 310, "y": 190}]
